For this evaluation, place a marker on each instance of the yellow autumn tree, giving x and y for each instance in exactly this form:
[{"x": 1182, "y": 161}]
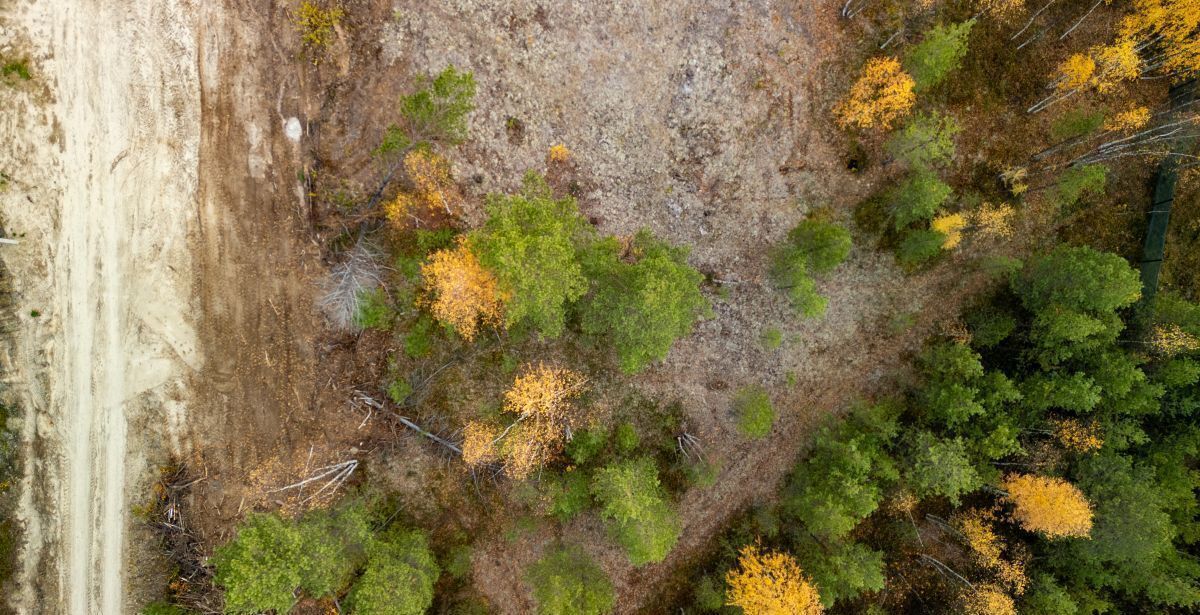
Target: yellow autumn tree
[
  {"x": 1001, "y": 10},
  {"x": 479, "y": 443},
  {"x": 543, "y": 400},
  {"x": 1129, "y": 119},
  {"x": 1169, "y": 27},
  {"x": 461, "y": 293},
  {"x": 558, "y": 153},
  {"x": 433, "y": 193},
  {"x": 771, "y": 583},
  {"x": 979, "y": 529},
  {"x": 950, "y": 225},
  {"x": 1077, "y": 436},
  {"x": 1049, "y": 506},
  {"x": 882, "y": 94},
  {"x": 987, "y": 599},
  {"x": 994, "y": 221}
]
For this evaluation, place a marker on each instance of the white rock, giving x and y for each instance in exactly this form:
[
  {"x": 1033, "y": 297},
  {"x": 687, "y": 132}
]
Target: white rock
[{"x": 292, "y": 129}]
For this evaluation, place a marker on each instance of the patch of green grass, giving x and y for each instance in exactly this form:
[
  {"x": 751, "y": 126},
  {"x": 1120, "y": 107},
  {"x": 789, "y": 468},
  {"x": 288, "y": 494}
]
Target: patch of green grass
[
  {"x": 755, "y": 415},
  {"x": 772, "y": 338},
  {"x": 418, "y": 342},
  {"x": 20, "y": 68},
  {"x": 1076, "y": 123}
]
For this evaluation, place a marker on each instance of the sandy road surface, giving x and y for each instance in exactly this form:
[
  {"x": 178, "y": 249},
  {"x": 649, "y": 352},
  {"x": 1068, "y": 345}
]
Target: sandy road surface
[{"x": 108, "y": 234}]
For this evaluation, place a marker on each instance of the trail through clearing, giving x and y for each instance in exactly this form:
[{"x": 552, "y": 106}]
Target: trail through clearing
[{"x": 111, "y": 166}]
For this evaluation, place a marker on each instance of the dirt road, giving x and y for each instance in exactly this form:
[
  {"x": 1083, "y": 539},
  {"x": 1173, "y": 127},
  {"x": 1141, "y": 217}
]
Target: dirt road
[{"x": 113, "y": 206}]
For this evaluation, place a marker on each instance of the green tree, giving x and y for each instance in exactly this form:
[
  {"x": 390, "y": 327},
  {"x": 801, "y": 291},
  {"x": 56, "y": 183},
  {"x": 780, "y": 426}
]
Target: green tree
[
  {"x": 398, "y": 578},
  {"x": 841, "y": 570},
  {"x": 436, "y": 112},
  {"x": 528, "y": 242},
  {"x": 567, "y": 582},
  {"x": 1074, "y": 294},
  {"x": 842, "y": 480},
  {"x": 815, "y": 246},
  {"x": 926, "y": 141},
  {"x": 633, "y": 502},
  {"x": 939, "y": 53},
  {"x": 260, "y": 568},
  {"x": 917, "y": 198},
  {"x": 1047, "y": 597},
  {"x": 755, "y": 415},
  {"x": 643, "y": 300},
  {"x": 334, "y": 545},
  {"x": 942, "y": 467}
]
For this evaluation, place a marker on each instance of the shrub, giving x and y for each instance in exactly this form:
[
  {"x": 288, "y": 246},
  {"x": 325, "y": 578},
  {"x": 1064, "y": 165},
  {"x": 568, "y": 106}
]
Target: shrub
[
  {"x": 939, "y": 53},
  {"x": 755, "y": 415},
  {"x": 399, "y": 390},
  {"x": 418, "y": 341},
  {"x": 941, "y": 467},
  {"x": 644, "y": 297},
  {"x": 316, "y": 26},
  {"x": 626, "y": 438},
  {"x": 633, "y": 502},
  {"x": 917, "y": 198},
  {"x": 772, "y": 338},
  {"x": 334, "y": 544},
  {"x": 436, "y": 111},
  {"x": 586, "y": 444},
  {"x": 567, "y": 582},
  {"x": 1076, "y": 182},
  {"x": 814, "y": 246},
  {"x": 919, "y": 247},
  {"x": 1076, "y": 123},
  {"x": 398, "y": 578},
  {"x": 374, "y": 310},
  {"x": 569, "y": 495},
  {"x": 926, "y": 141}
]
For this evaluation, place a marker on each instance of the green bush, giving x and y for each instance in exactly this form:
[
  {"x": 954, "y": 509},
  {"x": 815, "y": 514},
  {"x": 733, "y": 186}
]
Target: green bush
[
  {"x": 926, "y": 141},
  {"x": 639, "y": 516},
  {"x": 399, "y": 390},
  {"x": 772, "y": 338},
  {"x": 814, "y": 246},
  {"x": 570, "y": 495},
  {"x": 643, "y": 300},
  {"x": 586, "y": 444},
  {"x": 1076, "y": 123},
  {"x": 437, "y": 111},
  {"x": 919, "y": 247},
  {"x": 374, "y": 310},
  {"x": 334, "y": 544},
  {"x": 1076, "y": 182},
  {"x": 418, "y": 340},
  {"x": 755, "y": 415},
  {"x": 938, "y": 54},
  {"x": 626, "y": 438},
  {"x": 917, "y": 198},
  {"x": 567, "y": 582},
  {"x": 709, "y": 594},
  {"x": 941, "y": 467}
]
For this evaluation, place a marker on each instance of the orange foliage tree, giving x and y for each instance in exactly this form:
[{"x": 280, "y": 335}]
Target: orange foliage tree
[
  {"x": 1050, "y": 506},
  {"x": 883, "y": 94},
  {"x": 771, "y": 583},
  {"x": 543, "y": 400},
  {"x": 461, "y": 292},
  {"x": 434, "y": 191}
]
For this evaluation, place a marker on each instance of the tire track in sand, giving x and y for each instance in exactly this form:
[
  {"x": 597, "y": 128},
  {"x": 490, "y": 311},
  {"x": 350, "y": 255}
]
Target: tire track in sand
[{"x": 126, "y": 85}]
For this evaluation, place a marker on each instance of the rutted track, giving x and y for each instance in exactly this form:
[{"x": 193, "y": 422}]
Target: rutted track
[{"x": 112, "y": 207}]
